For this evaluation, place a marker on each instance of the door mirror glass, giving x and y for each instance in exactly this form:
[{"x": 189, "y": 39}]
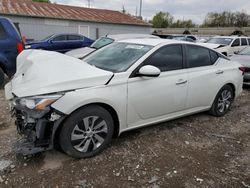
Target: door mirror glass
[{"x": 149, "y": 71}]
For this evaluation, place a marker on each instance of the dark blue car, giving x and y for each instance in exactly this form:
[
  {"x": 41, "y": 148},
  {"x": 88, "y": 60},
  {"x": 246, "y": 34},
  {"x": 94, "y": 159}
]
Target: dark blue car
[
  {"x": 10, "y": 46},
  {"x": 60, "y": 42}
]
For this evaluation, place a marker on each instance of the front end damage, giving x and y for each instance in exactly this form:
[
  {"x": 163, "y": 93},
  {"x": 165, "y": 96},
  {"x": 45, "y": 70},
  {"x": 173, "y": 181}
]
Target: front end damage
[{"x": 36, "y": 126}]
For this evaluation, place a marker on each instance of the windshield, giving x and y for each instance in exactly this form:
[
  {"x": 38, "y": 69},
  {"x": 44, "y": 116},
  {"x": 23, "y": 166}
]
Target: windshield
[
  {"x": 46, "y": 38},
  {"x": 245, "y": 51},
  {"x": 101, "y": 42},
  {"x": 224, "y": 41},
  {"x": 117, "y": 57}
]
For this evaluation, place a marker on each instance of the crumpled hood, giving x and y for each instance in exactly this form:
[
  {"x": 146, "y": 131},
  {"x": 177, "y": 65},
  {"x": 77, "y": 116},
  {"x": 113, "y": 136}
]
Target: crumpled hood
[
  {"x": 242, "y": 59},
  {"x": 43, "y": 72},
  {"x": 80, "y": 52}
]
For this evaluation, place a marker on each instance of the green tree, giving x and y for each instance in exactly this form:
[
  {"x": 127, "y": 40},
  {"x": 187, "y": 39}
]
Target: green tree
[
  {"x": 162, "y": 20},
  {"x": 183, "y": 24},
  {"x": 43, "y": 1},
  {"x": 227, "y": 19}
]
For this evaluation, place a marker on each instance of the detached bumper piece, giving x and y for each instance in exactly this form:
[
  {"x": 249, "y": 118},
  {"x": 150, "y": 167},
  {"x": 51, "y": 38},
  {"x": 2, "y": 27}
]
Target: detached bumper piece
[
  {"x": 28, "y": 148},
  {"x": 38, "y": 129}
]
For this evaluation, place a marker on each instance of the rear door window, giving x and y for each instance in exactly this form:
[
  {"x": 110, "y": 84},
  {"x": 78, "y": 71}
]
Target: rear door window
[
  {"x": 198, "y": 56},
  {"x": 243, "y": 42},
  {"x": 74, "y": 37},
  {"x": 3, "y": 34},
  {"x": 60, "y": 38},
  {"x": 248, "y": 41}
]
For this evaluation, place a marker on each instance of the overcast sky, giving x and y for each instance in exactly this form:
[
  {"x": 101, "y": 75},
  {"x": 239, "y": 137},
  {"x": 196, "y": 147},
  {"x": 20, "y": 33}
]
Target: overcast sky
[{"x": 180, "y": 9}]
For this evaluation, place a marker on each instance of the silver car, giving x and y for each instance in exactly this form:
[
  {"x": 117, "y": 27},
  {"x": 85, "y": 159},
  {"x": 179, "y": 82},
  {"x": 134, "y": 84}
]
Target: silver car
[
  {"x": 104, "y": 41},
  {"x": 243, "y": 57}
]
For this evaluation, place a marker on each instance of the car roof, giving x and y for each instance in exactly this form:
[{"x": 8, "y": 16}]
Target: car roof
[
  {"x": 130, "y": 36},
  {"x": 229, "y": 37}
]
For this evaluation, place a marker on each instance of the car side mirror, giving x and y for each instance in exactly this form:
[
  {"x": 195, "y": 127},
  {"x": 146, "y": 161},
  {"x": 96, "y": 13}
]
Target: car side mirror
[
  {"x": 51, "y": 41},
  {"x": 149, "y": 71}
]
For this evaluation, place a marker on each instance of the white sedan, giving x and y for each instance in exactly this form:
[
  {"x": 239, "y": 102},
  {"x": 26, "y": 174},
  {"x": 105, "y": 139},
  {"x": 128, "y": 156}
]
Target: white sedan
[{"x": 81, "y": 105}]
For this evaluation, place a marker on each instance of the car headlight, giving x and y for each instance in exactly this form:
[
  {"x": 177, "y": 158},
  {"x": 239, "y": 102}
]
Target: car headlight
[{"x": 37, "y": 102}]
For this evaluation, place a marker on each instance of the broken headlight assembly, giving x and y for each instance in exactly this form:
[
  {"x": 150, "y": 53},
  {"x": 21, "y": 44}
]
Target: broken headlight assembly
[{"x": 37, "y": 103}]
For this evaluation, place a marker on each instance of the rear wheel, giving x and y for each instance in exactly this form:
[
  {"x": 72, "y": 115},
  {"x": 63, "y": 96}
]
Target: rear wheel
[
  {"x": 87, "y": 132},
  {"x": 223, "y": 101},
  {"x": 2, "y": 78}
]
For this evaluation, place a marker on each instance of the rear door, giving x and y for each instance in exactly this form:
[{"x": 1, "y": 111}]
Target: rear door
[
  {"x": 203, "y": 76},
  {"x": 74, "y": 41},
  {"x": 243, "y": 43}
]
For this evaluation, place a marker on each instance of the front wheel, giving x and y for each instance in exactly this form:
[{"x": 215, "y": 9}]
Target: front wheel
[
  {"x": 87, "y": 132},
  {"x": 223, "y": 101}
]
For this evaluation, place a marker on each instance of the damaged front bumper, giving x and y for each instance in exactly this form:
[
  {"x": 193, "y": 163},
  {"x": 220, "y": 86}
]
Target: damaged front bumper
[{"x": 37, "y": 127}]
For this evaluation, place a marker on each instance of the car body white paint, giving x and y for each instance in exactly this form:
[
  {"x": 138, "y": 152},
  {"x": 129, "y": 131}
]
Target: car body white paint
[
  {"x": 227, "y": 49},
  {"x": 138, "y": 101}
]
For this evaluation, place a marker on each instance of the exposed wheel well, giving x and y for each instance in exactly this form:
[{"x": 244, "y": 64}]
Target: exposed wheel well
[{"x": 109, "y": 108}]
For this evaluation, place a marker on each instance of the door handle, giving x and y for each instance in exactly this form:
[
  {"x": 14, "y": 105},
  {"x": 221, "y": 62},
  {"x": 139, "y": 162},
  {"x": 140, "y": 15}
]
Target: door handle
[
  {"x": 219, "y": 72},
  {"x": 181, "y": 81}
]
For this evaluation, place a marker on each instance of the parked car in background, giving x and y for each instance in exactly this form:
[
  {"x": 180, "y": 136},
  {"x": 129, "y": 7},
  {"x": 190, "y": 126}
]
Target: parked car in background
[
  {"x": 104, "y": 41},
  {"x": 60, "y": 42},
  {"x": 188, "y": 38},
  {"x": 82, "y": 104},
  {"x": 228, "y": 45},
  {"x": 10, "y": 46},
  {"x": 243, "y": 57}
]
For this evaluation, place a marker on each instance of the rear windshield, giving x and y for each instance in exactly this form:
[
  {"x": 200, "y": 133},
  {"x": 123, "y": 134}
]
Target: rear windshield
[
  {"x": 103, "y": 41},
  {"x": 2, "y": 32}
]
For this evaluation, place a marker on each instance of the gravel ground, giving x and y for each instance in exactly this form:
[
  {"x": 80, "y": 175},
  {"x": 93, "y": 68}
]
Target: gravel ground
[{"x": 195, "y": 151}]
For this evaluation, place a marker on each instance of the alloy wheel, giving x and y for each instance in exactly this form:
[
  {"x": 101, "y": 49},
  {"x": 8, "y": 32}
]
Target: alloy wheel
[
  {"x": 224, "y": 101},
  {"x": 89, "y": 134}
]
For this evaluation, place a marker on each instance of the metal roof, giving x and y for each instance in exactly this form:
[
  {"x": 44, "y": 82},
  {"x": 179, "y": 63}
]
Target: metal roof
[{"x": 57, "y": 11}]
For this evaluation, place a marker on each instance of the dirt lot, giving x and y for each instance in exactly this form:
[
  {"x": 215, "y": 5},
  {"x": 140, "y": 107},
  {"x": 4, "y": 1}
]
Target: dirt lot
[{"x": 195, "y": 151}]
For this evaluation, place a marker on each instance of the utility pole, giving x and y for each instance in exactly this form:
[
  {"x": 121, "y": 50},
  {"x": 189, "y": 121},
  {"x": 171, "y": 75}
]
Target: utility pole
[
  {"x": 88, "y": 3},
  {"x": 140, "y": 8}
]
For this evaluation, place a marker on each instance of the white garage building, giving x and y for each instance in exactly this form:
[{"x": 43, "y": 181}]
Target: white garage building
[{"x": 39, "y": 20}]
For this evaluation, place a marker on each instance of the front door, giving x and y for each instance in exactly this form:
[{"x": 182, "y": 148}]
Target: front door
[{"x": 150, "y": 98}]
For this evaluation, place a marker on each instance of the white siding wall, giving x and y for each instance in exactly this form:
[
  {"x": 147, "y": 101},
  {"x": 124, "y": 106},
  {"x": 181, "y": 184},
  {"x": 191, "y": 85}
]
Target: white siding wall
[{"x": 39, "y": 28}]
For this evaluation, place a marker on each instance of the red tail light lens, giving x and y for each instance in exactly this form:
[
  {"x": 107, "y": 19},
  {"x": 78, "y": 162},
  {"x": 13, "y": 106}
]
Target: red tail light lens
[
  {"x": 243, "y": 69},
  {"x": 19, "y": 47}
]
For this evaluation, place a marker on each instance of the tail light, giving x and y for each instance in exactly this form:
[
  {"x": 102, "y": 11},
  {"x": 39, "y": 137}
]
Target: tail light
[
  {"x": 19, "y": 47},
  {"x": 242, "y": 69}
]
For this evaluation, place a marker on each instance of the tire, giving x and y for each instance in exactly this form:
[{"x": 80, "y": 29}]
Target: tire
[
  {"x": 2, "y": 78},
  {"x": 87, "y": 132},
  {"x": 222, "y": 102}
]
